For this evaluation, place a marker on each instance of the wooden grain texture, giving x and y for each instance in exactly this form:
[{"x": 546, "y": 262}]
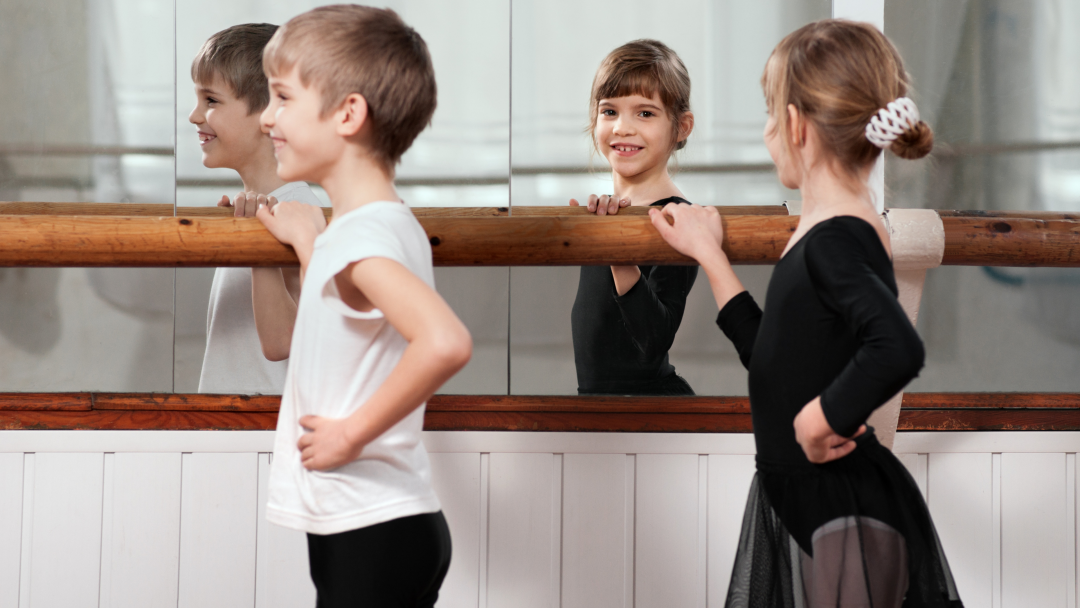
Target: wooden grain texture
[
  {"x": 922, "y": 412},
  {"x": 185, "y": 402},
  {"x": 563, "y": 240},
  {"x": 1011, "y": 242},
  {"x": 70, "y": 402},
  {"x": 144, "y": 420}
]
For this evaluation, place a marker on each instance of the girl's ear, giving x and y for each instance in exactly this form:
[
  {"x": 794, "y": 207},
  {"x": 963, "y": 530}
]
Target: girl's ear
[
  {"x": 796, "y": 127},
  {"x": 351, "y": 115},
  {"x": 686, "y": 125}
]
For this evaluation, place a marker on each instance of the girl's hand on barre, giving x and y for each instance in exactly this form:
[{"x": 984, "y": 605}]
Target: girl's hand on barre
[
  {"x": 692, "y": 230},
  {"x": 819, "y": 442},
  {"x": 605, "y": 204}
]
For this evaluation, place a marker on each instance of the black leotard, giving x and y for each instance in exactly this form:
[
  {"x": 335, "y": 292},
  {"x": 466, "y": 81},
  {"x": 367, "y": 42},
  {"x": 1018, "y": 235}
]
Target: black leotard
[
  {"x": 832, "y": 327},
  {"x": 621, "y": 343}
]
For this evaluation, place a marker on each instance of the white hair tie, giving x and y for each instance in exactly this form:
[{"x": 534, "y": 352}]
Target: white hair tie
[{"x": 891, "y": 122}]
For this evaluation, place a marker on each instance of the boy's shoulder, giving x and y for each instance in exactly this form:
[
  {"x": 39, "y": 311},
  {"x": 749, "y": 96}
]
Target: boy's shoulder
[
  {"x": 297, "y": 191},
  {"x": 382, "y": 224}
]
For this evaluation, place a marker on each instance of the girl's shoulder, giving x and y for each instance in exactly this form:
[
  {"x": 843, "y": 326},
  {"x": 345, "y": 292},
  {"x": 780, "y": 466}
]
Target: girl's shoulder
[{"x": 670, "y": 199}]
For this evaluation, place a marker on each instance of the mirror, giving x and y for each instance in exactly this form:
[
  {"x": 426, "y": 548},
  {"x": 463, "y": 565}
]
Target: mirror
[
  {"x": 568, "y": 330},
  {"x": 461, "y": 160},
  {"x": 994, "y": 79},
  {"x": 86, "y": 128}
]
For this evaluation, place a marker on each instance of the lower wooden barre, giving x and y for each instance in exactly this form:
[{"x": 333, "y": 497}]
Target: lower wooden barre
[{"x": 159, "y": 411}]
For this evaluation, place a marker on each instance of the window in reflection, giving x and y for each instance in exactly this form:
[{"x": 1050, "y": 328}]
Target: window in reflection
[
  {"x": 997, "y": 81},
  {"x": 86, "y": 120}
]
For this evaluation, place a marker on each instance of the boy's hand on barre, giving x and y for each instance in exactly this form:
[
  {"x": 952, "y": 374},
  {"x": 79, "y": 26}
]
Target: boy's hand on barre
[
  {"x": 818, "y": 440},
  {"x": 692, "y": 230},
  {"x": 246, "y": 204},
  {"x": 604, "y": 204},
  {"x": 327, "y": 444},
  {"x": 291, "y": 222}
]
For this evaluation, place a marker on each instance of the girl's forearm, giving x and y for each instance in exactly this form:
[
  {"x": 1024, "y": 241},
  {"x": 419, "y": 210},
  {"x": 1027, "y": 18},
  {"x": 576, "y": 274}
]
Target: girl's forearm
[
  {"x": 424, "y": 367},
  {"x": 625, "y": 277},
  {"x": 724, "y": 282}
]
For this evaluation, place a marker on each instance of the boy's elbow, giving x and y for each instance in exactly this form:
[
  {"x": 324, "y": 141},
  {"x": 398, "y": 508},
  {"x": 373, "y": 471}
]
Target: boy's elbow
[
  {"x": 275, "y": 352},
  {"x": 454, "y": 348}
]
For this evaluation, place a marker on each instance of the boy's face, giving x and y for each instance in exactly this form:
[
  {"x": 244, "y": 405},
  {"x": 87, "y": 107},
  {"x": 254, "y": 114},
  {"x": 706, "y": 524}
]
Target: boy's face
[
  {"x": 230, "y": 137},
  {"x": 305, "y": 144}
]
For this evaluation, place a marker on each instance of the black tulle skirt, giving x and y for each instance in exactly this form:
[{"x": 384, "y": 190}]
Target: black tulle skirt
[{"x": 854, "y": 532}]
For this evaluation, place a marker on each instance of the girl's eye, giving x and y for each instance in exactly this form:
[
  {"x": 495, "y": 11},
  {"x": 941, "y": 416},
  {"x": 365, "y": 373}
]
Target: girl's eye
[
  {"x": 608, "y": 112},
  {"x": 647, "y": 114}
]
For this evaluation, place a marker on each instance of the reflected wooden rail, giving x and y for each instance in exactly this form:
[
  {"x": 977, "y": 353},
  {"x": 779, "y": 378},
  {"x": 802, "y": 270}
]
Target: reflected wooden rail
[
  {"x": 143, "y": 411},
  {"x": 483, "y": 237}
]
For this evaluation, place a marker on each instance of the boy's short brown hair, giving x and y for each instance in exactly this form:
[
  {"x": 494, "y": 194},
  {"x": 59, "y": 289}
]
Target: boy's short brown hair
[
  {"x": 235, "y": 54},
  {"x": 344, "y": 49}
]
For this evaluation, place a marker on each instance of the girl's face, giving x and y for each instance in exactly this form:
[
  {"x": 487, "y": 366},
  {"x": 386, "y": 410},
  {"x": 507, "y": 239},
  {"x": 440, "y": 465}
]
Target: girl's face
[
  {"x": 634, "y": 133},
  {"x": 787, "y": 169}
]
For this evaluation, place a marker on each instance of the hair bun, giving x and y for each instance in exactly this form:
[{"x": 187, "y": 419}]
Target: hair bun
[{"x": 916, "y": 142}]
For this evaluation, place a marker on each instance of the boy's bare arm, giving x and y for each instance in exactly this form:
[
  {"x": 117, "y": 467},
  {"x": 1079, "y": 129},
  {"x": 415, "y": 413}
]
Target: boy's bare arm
[
  {"x": 275, "y": 292},
  {"x": 275, "y": 305},
  {"x": 439, "y": 346}
]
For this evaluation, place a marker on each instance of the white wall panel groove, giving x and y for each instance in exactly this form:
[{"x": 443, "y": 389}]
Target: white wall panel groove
[{"x": 537, "y": 519}]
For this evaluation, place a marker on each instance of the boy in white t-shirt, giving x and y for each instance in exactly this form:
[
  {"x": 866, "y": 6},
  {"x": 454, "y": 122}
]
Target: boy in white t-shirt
[
  {"x": 231, "y": 89},
  {"x": 351, "y": 88}
]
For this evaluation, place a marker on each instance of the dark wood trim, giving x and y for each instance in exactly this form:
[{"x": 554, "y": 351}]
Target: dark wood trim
[{"x": 145, "y": 411}]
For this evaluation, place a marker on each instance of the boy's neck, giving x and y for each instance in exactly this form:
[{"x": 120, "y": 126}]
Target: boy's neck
[
  {"x": 260, "y": 175},
  {"x": 647, "y": 187},
  {"x": 356, "y": 180}
]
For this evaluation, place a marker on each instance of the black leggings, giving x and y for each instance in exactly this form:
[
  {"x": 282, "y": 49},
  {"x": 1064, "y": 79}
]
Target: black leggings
[{"x": 396, "y": 564}]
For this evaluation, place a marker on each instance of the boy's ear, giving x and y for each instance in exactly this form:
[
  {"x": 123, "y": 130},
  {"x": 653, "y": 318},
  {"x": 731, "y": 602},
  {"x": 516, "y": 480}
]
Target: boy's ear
[
  {"x": 352, "y": 115},
  {"x": 686, "y": 125}
]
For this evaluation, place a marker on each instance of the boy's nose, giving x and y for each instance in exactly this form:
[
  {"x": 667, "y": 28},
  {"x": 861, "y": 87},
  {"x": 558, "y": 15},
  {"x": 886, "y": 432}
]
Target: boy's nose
[
  {"x": 195, "y": 118},
  {"x": 266, "y": 119}
]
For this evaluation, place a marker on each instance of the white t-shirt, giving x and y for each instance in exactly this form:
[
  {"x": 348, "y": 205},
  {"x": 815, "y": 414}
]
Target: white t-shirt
[
  {"x": 339, "y": 358},
  {"x": 234, "y": 361}
]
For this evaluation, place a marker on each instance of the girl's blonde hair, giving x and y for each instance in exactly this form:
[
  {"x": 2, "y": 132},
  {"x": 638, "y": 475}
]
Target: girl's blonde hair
[
  {"x": 839, "y": 74},
  {"x": 643, "y": 67}
]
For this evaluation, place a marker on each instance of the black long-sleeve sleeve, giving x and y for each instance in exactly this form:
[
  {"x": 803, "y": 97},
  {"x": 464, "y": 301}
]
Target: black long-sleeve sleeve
[
  {"x": 652, "y": 309},
  {"x": 739, "y": 319},
  {"x": 889, "y": 353}
]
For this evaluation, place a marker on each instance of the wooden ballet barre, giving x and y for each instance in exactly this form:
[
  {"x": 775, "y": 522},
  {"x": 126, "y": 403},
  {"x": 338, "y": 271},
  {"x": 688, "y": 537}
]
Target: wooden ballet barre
[
  {"x": 563, "y": 240},
  {"x": 158, "y": 411}
]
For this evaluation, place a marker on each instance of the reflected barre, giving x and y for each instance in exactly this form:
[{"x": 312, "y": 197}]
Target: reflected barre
[
  {"x": 570, "y": 238},
  {"x": 140, "y": 411}
]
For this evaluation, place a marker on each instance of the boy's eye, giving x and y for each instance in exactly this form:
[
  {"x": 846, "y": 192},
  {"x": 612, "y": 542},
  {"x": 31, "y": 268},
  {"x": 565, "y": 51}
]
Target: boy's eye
[{"x": 211, "y": 100}]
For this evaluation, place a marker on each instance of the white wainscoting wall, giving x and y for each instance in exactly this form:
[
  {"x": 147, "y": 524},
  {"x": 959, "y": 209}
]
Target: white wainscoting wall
[{"x": 162, "y": 518}]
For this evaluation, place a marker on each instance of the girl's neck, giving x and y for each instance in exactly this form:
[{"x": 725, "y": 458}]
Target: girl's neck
[
  {"x": 646, "y": 187},
  {"x": 824, "y": 194}
]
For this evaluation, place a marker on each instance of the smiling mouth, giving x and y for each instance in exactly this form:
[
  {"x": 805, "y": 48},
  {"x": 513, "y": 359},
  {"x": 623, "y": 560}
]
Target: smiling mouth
[
  {"x": 625, "y": 150},
  {"x": 205, "y": 138}
]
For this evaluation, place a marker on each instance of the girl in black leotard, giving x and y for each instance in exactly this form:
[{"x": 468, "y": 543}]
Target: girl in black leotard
[
  {"x": 833, "y": 518},
  {"x": 625, "y": 318}
]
